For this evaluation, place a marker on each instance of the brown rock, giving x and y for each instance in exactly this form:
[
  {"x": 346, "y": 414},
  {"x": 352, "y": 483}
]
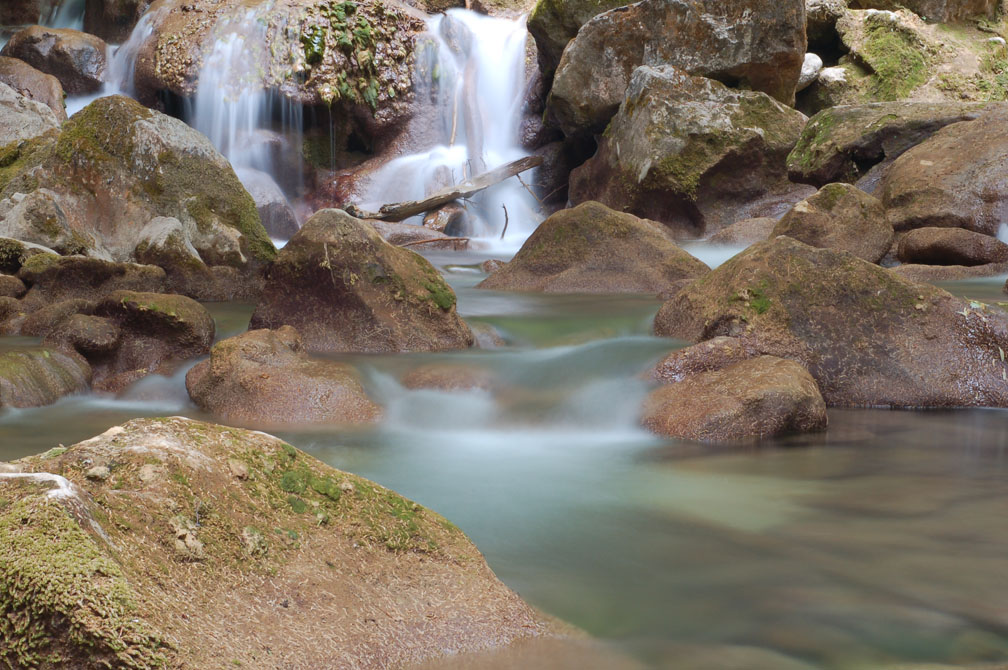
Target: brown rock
[
  {"x": 593, "y": 249},
  {"x": 36, "y": 377},
  {"x": 840, "y": 217},
  {"x": 77, "y": 59},
  {"x": 113, "y": 20},
  {"x": 448, "y": 377},
  {"x": 263, "y": 377},
  {"x": 951, "y": 246},
  {"x": 21, "y": 121},
  {"x": 344, "y": 288},
  {"x": 451, "y": 219},
  {"x": 746, "y": 231},
  {"x": 11, "y": 287},
  {"x": 707, "y": 356},
  {"x": 417, "y": 237},
  {"x": 868, "y": 336},
  {"x": 33, "y": 84},
  {"x": 53, "y": 279},
  {"x": 932, "y": 274},
  {"x": 756, "y": 398},
  {"x": 90, "y": 336},
  {"x": 41, "y": 321},
  {"x": 938, "y": 11}
]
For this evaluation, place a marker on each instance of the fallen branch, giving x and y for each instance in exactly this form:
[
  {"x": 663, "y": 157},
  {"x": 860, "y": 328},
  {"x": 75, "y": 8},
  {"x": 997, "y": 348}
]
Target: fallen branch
[
  {"x": 435, "y": 239},
  {"x": 404, "y": 210},
  {"x": 505, "y": 220}
]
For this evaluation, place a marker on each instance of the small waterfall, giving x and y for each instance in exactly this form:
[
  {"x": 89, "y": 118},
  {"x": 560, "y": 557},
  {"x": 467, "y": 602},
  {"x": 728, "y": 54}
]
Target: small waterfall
[{"x": 472, "y": 77}]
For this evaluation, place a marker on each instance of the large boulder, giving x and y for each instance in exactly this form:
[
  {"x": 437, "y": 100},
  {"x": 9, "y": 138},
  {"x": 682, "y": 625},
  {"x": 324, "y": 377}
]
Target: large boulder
[
  {"x": 756, "y": 44},
  {"x": 24, "y": 12},
  {"x": 114, "y": 178},
  {"x": 868, "y": 336},
  {"x": 356, "y": 57},
  {"x": 956, "y": 178},
  {"x": 843, "y": 143},
  {"x": 554, "y": 23},
  {"x": 113, "y": 20},
  {"x": 77, "y": 59},
  {"x": 937, "y": 11},
  {"x": 33, "y": 84},
  {"x": 951, "y": 246},
  {"x": 593, "y": 249},
  {"x": 744, "y": 232},
  {"x": 157, "y": 536},
  {"x": 40, "y": 376},
  {"x": 21, "y": 118},
  {"x": 275, "y": 213},
  {"x": 263, "y": 377},
  {"x": 690, "y": 152},
  {"x": 51, "y": 278},
  {"x": 840, "y": 217},
  {"x": 344, "y": 288},
  {"x": 755, "y": 398},
  {"x": 820, "y": 24}
]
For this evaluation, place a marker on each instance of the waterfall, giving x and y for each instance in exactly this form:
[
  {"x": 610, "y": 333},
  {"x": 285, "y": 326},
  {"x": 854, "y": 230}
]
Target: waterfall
[{"x": 472, "y": 76}]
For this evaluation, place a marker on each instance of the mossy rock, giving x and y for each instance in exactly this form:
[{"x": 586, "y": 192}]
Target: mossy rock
[
  {"x": 344, "y": 288},
  {"x": 193, "y": 529},
  {"x": 868, "y": 336},
  {"x": 593, "y": 249},
  {"x": 554, "y": 23},
  {"x": 37, "y": 376}
]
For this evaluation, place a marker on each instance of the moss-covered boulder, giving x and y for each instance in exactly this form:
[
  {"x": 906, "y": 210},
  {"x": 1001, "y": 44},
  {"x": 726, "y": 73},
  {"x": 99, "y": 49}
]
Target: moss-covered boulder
[
  {"x": 554, "y": 23},
  {"x": 51, "y": 278},
  {"x": 755, "y": 43},
  {"x": 39, "y": 376},
  {"x": 33, "y": 84},
  {"x": 192, "y": 545},
  {"x": 950, "y": 246},
  {"x": 868, "y": 336},
  {"x": 118, "y": 167},
  {"x": 355, "y": 56},
  {"x": 756, "y": 398},
  {"x": 77, "y": 59},
  {"x": 593, "y": 249},
  {"x": 956, "y": 178},
  {"x": 840, "y": 217},
  {"x": 691, "y": 152},
  {"x": 264, "y": 378},
  {"x": 842, "y": 144},
  {"x": 21, "y": 118},
  {"x": 344, "y": 288}
]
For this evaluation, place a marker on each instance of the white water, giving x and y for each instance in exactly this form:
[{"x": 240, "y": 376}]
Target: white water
[{"x": 473, "y": 79}]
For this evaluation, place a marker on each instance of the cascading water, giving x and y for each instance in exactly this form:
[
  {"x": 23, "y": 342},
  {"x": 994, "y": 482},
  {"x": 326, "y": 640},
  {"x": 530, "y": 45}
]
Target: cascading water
[{"x": 473, "y": 76}]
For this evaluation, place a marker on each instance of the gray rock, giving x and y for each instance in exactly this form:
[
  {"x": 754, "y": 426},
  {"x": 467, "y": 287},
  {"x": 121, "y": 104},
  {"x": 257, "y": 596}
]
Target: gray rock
[{"x": 22, "y": 118}]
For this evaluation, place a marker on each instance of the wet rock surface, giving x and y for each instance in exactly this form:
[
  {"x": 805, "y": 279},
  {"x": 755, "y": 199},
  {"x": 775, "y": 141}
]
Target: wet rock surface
[
  {"x": 951, "y": 246},
  {"x": 40, "y": 376},
  {"x": 33, "y": 84},
  {"x": 76, "y": 59}
]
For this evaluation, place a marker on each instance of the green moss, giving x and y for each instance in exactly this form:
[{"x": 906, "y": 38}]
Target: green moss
[
  {"x": 294, "y": 481},
  {"x": 17, "y": 158},
  {"x": 297, "y": 505},
  {"x": 440, "y": 294},
  {"x": 829, "y": 195},
  {"x": 313, "y": 41},
  {"x": 899, "y": 60},
  {"x": 62, "y": 599}
]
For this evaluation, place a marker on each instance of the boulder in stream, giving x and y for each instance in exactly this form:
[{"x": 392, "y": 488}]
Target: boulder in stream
[
  {"x": 868, "y": 336},
  {"x": 191, "y": 544},
  {"x": 33, "y": 84},
  {"x": 344, "y": 288},
  {"x": 264, "y": 377},
  {"x": 593, "y": 249},
  {"x": 951, "y": 246},
  {"x": 40, "y": 376},
  {"x": 77, "y": 59}
]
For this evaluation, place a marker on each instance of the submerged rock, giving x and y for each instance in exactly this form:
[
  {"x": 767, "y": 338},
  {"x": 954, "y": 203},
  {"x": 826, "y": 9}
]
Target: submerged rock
[
  {"x": 21, "y": 118},
  {"x": 593, "y": 249},
  {"x": 757, "y": 43},
  {"x": 38, "y": 376},
  {"x": 951, "y": 246},
  {"x": 263, "y": 377},
  {"x": 118, "y": 169},
  {"x": 344, "y": 288},
  {"x": 840, "y": 217},
  {"x": 868, "y": 336},
  {"x": 77, "y": 59},
  {"x": 33, "y": 84},
  {"x": 690, "y": 152},
  {"x": 760, "y": 397},
  {"x": 197, "y": 527}
]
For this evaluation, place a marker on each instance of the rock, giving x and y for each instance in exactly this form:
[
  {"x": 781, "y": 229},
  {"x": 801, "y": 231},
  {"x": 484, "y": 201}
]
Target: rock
[
  {"x": 77, "y": 59},
  {"x": 937, "y": 11},
  {"x": 21, "y": 119},
  {"x": 52, "y": 278},
  {"x": 867, "y": 336},
  {"x": 263, "y": 377},
  {"x": 369, "y": 82},
  {"x": 757, "y": 44},
  {"x": 835, "y": 86},
  {"x": 34, "y": 85},
  {"x": 113, "y": 20},
  {"x": 951, "y": 246},
  {"x": 844, "y": 143},
  {"x": 90, "y": 336},
  {"x": 344, "y": 288},
  {"x": 24, "y": 12},
  {"x": 11, "y": 287},
  {"x": 418, "y": 237},
  {"x": 707, "y": 356},
  {"x": 932, "y": 274},
  {"x": 157, "y": 330},
  {"x": 41, "y": 322},
  {"x": 744, "y": 232},
  {"x": 449, "y": 377},
  {"x": 91, "y": 560},
  {"x": 956, "y": 178},
  {"x": 820, "y": 24},
  {"x": 840, "y": 217},
  {"x": 756, "y": 398},
  {"x": 98, "y": 473},
  {"x": 14, "y": 253},
  {"x": 550, "y": 180},
  {"x": 275, "y": 213},
  {"x": 36, "y": 377},
  {"x": 153, "y": 168},
  {"x": 554, "y": 23},
  {"x": 451, "y": 219},
  {"x": 690, "y": 152},
  {"x": 593, "y": 249},
  {"x": 811, "y": 67}
]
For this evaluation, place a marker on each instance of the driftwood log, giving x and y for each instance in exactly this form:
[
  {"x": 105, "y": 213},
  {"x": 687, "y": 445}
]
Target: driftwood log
[{"x": 404, "y": 210}]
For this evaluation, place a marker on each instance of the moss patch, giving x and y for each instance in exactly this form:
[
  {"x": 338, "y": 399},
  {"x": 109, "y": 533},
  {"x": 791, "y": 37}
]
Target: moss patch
[{"x": 897, "y": 57}]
